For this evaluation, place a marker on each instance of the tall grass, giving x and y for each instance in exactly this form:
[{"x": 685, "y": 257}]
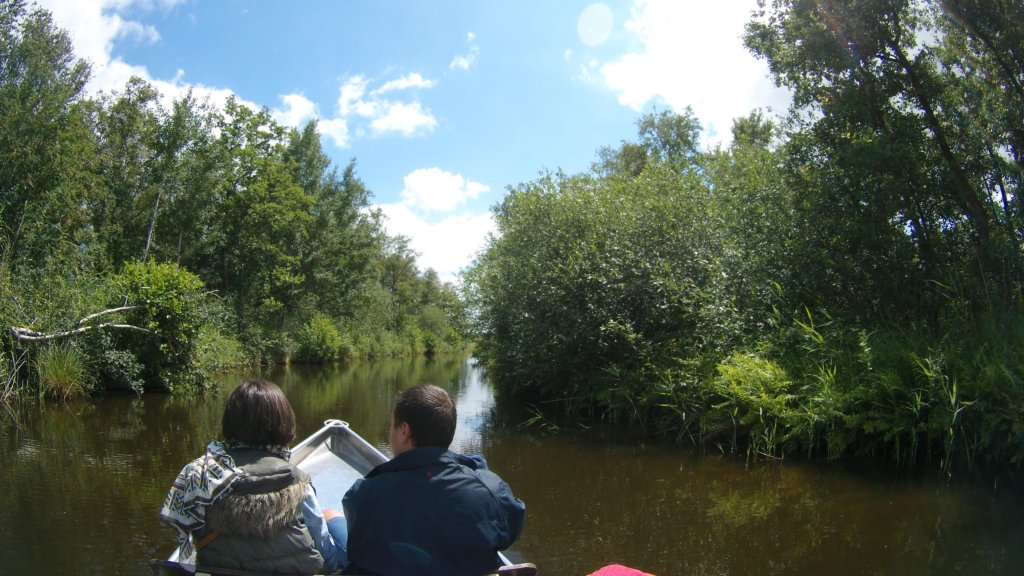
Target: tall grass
[
  {"x": 9, "y": 380},
  {"x": 216, "y": 352},
  {"x": 62, "y": 372}
]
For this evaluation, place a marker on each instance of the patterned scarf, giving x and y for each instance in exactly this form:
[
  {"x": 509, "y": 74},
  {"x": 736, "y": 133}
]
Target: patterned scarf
[{"x": 199, "y": 484}]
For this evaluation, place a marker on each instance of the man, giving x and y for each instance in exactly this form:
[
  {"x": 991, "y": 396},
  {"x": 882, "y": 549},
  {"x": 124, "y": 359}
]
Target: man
[{"x": 428, "y": 510}]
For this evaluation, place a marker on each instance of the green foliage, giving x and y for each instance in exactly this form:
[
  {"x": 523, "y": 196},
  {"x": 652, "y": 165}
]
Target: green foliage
[
  {"x": 758, "y": 394},
  {"x": 825, "y": 292},
  {"x": 62, "y": 373},
  {"x": 433, "y": 328},
  {"x": 116, "y": 368},
  {"x": 319, "y": 340},
  {"x": 99, "y": 196},
  {"x": 593, "y": 281},
  {"x": 216, "y": 352},
  {"x": 168, "y": 304},
  {"x": 44, "y": 143}
]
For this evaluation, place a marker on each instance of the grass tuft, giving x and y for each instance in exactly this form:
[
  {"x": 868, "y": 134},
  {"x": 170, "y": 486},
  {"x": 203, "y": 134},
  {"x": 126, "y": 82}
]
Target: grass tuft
[{"x": 63, "y": 373}]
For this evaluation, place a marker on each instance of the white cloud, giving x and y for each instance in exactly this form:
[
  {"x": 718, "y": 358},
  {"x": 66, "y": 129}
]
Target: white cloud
[
  {"x": 701, "y": 44},
  {"x": 435, "y": 190},
  {"x": 446, "y": 246},
  {"x": 336, "y": 129},
  {"x": 297, "y": 111},
  {"x": 352, "y": 92},
  {"x": 94, "y": 26},
  {"x": 414, "y": 80},
  {"x": 466, "y": 61},
  {"x": 385, "y": 116},
  {"x": 405, "y": 119}
]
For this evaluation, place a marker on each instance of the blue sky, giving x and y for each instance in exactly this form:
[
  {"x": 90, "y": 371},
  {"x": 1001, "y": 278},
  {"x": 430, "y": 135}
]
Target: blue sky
[{"x": 442, "y": 104}]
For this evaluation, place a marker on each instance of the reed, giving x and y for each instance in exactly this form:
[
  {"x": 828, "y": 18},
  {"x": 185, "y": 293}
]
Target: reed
[
  {"x": 8, "y": 380},
  {"x": 62, "y": 372},
  {"x": 217, "y": 352}
]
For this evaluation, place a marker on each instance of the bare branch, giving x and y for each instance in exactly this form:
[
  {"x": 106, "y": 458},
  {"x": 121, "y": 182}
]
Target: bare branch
[
  {"x": 108, "y": 311},
  {"x": 27, "y": 335}
]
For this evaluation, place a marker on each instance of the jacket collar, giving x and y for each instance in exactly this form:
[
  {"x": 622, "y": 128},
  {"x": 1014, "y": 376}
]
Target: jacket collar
[{"x": 422, "y": 458}]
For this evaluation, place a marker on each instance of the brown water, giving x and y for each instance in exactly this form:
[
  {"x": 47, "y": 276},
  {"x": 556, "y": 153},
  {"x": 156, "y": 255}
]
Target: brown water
[{"x": 80, "y": 488}]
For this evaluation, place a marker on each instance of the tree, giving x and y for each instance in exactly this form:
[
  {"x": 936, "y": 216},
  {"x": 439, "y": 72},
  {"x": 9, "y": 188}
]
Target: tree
[
  {"x": 887, "y": 139},
  {"x": 261, "y": 217},
  {"x": 184, "y": 212},
  {"x": 127, "y": 127},
  {"x": 45, "y": 145},
  {"x": 344, "y": 238}
]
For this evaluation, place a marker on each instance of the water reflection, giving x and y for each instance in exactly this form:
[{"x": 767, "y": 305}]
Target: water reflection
[{"x": 80, "y": 487}]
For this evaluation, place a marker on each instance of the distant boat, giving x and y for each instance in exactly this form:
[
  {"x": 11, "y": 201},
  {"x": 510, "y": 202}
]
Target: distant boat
[{"x": 334, "y": 457}]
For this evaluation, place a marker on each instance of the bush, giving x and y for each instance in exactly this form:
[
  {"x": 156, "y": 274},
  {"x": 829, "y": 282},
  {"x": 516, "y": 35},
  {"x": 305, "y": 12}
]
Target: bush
[
  {"x": 121, "y": 369},
  {"x": 349, "y": 349},
  {"x": 319, "y": 340},
  {"x": 168, "y": 303}
]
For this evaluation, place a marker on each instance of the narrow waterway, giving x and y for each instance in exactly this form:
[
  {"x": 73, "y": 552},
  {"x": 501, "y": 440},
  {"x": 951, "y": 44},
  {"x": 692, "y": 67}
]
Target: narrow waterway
[{"x": 80, "y": 487}]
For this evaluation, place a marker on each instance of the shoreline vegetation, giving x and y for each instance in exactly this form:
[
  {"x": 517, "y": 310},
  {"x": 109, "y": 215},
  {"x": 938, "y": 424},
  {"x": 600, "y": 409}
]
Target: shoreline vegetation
[
  {"x": 840, "y": 281},
  {"x": 146, "y": 247}
]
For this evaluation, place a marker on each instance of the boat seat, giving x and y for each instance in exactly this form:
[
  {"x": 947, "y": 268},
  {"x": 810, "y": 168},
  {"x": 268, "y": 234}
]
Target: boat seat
[
  {"x": 168, "y": 568},
  {"x": 525, "y": 569}
]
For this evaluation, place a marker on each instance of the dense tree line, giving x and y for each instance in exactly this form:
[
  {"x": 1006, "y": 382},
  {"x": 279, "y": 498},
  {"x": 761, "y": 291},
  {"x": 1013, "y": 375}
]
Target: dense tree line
[
  {"x": 845, "y": 280},
  {"x": 142, "y": 245}
]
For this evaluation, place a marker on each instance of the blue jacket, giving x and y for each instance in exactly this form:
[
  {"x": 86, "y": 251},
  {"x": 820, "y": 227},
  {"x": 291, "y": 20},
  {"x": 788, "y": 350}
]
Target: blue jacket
[{"x": 430, "y": 511}]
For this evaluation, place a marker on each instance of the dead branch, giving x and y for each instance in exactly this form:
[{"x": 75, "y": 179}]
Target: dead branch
[
  {"x": 108, "y": 311},
  {"x": 27, "y": 335}
]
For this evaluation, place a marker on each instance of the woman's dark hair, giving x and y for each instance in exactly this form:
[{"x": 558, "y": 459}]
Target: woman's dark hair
[
  {"x": 430, "y": 414},
  {"x": 257, "y": 413}
]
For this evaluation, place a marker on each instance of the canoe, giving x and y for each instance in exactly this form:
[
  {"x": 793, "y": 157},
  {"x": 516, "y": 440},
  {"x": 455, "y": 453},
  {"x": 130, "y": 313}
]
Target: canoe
[{"x": 334, "y": 457}]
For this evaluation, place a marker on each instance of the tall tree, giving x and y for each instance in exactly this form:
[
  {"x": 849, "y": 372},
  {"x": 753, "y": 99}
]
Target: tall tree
[
  {"x": 127, "y": 130},
  {"x": 888, "y": 168},
  {"x": 45, "y": 144},
  {"x": 189, "y": 170},
  {"x": 344, "y": 238},
  {"x": 262, "y": 217}
]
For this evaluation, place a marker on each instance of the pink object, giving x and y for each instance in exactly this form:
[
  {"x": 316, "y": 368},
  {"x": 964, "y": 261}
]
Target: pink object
[{"x": 619, "y": 570}]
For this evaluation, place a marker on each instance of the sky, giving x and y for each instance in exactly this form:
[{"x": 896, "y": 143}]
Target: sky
[{"x": 442, "y": 104}]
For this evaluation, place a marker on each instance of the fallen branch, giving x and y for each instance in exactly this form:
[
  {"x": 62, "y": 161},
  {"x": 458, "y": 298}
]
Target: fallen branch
[
  {"x": 27, "y": 335},
  {"x": 108, "y": 311}
]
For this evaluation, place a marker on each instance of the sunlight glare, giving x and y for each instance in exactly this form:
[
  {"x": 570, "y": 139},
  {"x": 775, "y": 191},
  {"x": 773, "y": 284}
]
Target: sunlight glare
[{"x": 595, "y": 24}]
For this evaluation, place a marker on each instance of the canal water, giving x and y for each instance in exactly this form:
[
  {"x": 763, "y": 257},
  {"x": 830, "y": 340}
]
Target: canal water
[{"x": 81, "y": 485}]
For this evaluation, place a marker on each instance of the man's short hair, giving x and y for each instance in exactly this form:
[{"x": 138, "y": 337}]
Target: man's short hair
[
  {"x": 430, "y": 414},
  {"x": 257, "y": 413}
]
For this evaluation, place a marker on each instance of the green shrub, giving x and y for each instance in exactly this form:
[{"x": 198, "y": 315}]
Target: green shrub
[
  {"x": 757, "y": 398},
  {"x": 120, "y": 369},
  {"x": 349, "y": 349},
  {"x": 319, "y": 340},
  {"x": 168, "y": 303}
]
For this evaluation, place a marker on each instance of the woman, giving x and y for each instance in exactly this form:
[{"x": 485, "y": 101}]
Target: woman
[{"x": 243, "y": 506}]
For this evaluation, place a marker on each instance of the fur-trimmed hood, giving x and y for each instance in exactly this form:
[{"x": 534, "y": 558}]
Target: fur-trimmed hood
[
  {"x": 263, "y": 501},
  {"x": 260, "y": 515}
]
